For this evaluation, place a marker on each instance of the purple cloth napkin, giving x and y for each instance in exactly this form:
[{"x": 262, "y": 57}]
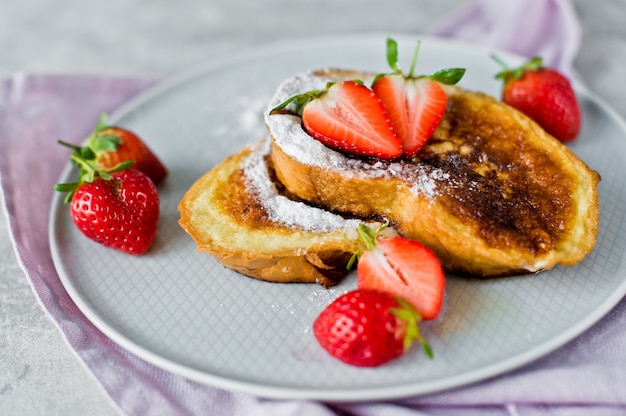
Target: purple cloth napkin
[
  {"x": 546, "y": 28},
  {"x": 587, "y": 376}
]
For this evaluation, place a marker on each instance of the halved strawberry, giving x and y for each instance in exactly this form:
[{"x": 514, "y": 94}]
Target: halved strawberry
[
  {"x": 415, "y": 104},
  {"x": 347, "y": 116},
  {"x": 403, "y": 268}
]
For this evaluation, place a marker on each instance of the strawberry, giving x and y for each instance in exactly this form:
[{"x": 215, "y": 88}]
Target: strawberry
[
  {"x": 544, "y": 95},
  {"x": 117, "y": 207},
  {"x": 368, "y": 328},
  {"x": 404, "y": 268},
  {"x": 348, "y": 117},
  {"x": 121, "y": 212},
  {"x": 113, "y": 145},
  {"x": 415, "y": 104}
]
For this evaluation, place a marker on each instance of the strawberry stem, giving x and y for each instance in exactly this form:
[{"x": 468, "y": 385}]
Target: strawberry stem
[
  {"x": 414, "y": 61},
  {"x": 500, "y": 62},
  {"x": 507, "y": 74}
]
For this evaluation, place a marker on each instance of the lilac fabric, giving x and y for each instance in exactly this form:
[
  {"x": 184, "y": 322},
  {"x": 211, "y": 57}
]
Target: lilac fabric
[
  {"x": 547, "y": 28},
  {"x": 587, "y": 376}
]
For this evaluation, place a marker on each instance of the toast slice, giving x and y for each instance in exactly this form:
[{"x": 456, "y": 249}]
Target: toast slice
[
  {"x": 491, "y": 193},
  {"x": 237, "y": 213}
]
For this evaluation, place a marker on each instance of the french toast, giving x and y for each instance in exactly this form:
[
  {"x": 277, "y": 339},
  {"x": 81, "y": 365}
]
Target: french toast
[
  {"x": 491, "y": 193},
  {"x": 237, "y": 213}
]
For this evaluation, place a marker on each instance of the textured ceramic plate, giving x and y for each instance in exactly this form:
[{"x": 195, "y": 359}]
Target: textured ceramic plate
[{"x": 182, "y": 311}]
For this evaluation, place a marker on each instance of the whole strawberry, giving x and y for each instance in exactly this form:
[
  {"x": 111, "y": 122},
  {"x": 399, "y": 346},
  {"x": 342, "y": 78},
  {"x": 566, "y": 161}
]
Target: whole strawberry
[
  {"x": 543, "y": 94},
  {"x": 112, "y": 145},
  {"x": 117, "y": 207},
  {"x": 368, "y": 328},
  {"x": 121, "y": 212}
]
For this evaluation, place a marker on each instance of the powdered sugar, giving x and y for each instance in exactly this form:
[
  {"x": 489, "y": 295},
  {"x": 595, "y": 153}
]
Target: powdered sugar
[
  {"x": 287, "y": 129},
  {"x": 284, "y": 210},
  {"x": 287, "y": 132},
  {"x": 426, "y": 184}
]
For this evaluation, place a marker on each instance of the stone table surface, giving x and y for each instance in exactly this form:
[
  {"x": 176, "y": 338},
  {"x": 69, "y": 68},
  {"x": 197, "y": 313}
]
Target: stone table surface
[{"x": 39, "y": 373}]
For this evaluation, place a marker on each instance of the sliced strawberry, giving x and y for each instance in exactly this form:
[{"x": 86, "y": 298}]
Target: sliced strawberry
[
  {"x": 415, "y": 105},
  {"x": 404, "y": 268},
  {"x": 347, "y": 116},
  {"x": 415, "y": 108}
]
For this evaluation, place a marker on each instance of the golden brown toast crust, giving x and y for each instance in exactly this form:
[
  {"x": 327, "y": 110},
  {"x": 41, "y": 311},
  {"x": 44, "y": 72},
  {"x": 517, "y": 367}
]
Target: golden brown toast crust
[
  {"x": 226, "y": 218},
  {"x": 491, "y": 193}
]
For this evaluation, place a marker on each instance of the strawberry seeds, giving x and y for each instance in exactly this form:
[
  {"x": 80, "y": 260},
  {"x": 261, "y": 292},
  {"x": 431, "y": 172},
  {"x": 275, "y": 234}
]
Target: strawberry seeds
[{"x": 393, "y": 118}]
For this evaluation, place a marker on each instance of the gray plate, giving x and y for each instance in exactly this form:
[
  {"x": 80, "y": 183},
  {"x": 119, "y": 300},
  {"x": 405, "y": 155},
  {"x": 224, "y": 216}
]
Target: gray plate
[{"x": 180, "y": 310}]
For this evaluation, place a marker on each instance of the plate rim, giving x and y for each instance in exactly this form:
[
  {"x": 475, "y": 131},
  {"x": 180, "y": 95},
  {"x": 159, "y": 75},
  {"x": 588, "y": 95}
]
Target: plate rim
[{"x": 282, "y": 392}]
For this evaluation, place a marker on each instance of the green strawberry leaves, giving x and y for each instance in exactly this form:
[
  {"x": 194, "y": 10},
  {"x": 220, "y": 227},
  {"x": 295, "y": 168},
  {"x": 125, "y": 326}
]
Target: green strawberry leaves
[
  {"x": 448, "y": 76},
  {"x": 301, "y": 100},
  {"x": 507, "y": 74},
  {"x": 368, "y": 237},
  {"x": 102, "y": 142},
  {"x": 412, "y": 317},
  {"x": 85, "y": 158}
]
